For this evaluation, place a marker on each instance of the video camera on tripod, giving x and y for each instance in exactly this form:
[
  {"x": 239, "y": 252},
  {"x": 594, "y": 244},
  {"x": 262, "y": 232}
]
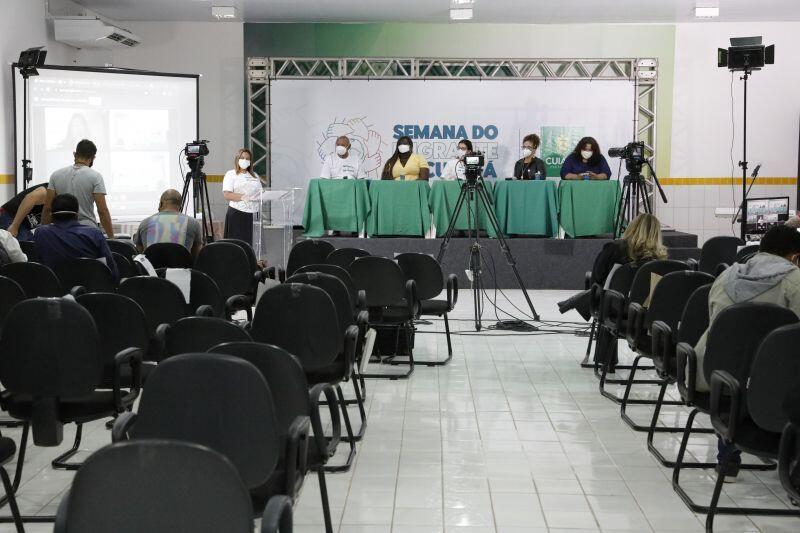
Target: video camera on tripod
[
  {"x": 195, "y": 152},
  {"x": 633, "y": 154}
]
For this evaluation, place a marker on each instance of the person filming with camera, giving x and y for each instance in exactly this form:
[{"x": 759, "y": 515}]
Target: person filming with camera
[{"x": 585, "y": 162}]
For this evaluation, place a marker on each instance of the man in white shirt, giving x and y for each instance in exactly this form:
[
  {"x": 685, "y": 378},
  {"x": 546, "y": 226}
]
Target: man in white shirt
[{"x": 342, "y": 164}]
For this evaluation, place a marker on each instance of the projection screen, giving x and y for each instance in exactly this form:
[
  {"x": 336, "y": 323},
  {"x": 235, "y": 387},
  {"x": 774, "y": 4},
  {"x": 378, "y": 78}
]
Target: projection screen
[
  {"x": 139, "y": 121},
  {"x": 308, "y": 115}
]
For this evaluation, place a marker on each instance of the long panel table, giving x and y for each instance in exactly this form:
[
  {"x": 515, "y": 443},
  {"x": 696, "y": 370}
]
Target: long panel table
[
  {"x": 339, "y": 205},
  {"x": 399, "y": 208},
  {"x": 443, "y": 198},
  {"x": 588, "y": 207},
  {"x": 526, "y": 207}
]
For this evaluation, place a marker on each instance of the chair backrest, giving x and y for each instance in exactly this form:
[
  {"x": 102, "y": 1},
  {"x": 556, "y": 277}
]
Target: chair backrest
[
  {"x": 284, "y": 375},
  {"x": 91, "y": 274},
  {"x": 36, "y": 279},
  {"x": 380, "y": 278},
  {"x": 344, "y": 257},
  {"x": 640, "y": 288},
  {"x": 202, "y": 291},
  {"x": 123, "y": 247},
  {"x": 217, "y": 401},
  {"x": 29, "y": 249},
  {"x": 736, "y": 333},
  {"x": 125, "y": 266},
  {"x": 158, "y": 486},
  {"x": 227, "y": 264},
  {"x": 671, "y": 294},
  {"x": 773, "y": 374},
  {"x": 302, "y": 320},
  {"x": 307, "y": 252},
  {"x": 50, "y": 348},
  {"x": 120, "y": 322},
  {"x": 694, "y": 319},
  {"x": 248, "y": 251},
  {"x": 199, "y": 333},
  {"x": 335, "y": 289},
  {"x": 10, "y": 295},
  {"x": 425, "y": 271},
  {"x": 743, "y": 255},
  {"x": 716, "y": 250},
  {"x": 337, "y": 271},
  {"x": 169, "y": 255},
  {"x": 622, "y": 278},
  {"x": 161, "y": 300}
]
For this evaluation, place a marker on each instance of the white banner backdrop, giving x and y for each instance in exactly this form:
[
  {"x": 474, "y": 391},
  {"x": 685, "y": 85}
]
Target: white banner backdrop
[{"x": 308, "y": 116}]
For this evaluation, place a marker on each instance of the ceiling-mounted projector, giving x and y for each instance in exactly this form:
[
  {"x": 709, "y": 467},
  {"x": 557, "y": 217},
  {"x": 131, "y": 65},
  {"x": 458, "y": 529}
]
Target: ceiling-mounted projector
[{"x": 91, "y": 32}]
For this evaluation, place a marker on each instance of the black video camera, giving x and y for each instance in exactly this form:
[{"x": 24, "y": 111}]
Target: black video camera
[
  {"x": 633, "y": 154},
  {"x": 196, "y": 149},
  {"x": 473, "y": 165}
]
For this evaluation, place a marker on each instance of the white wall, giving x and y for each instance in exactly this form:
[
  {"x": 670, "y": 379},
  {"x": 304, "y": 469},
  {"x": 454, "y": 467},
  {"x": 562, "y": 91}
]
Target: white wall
[
  {"x": 26, "y": 28},
  {"x": 701, "y": 122}
]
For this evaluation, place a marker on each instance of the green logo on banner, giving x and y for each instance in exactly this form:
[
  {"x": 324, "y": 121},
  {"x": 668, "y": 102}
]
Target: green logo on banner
[{"x": 557, "y": 143}]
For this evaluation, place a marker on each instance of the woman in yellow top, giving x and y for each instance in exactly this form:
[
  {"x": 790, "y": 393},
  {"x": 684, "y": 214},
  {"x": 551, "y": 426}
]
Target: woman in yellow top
[{"x": 405, "y": 164}]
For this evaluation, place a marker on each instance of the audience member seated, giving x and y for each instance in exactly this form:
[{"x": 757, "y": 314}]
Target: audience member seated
[
  {"x": 67, "y": 239},
  {"x": 10, "y": 251},
  {"x": 640, "y": 242},
  {"x": 170, "y": 225},
  {"x": 770, "y": 276}
]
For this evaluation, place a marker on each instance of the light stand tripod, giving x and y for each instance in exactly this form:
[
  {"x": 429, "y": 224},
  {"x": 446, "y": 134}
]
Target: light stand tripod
[
  {"x": 201, "y": 203},
  {"x": 743, "y": 162},
  {"x": 473, "y": 194},
  {"x": 634, "y": 190},
  {"x": 28, "y": 61}
]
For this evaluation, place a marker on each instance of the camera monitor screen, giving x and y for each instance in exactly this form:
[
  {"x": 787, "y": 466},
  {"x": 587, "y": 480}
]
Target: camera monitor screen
[
  {"x": 139, "y": 121},
  {"x": 764, "y": 213}
]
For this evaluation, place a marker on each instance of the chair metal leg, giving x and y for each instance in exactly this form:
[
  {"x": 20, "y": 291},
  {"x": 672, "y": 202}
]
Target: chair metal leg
[
  {"x": 352, "y": 455},
  {"x": 323, "y": 494},
  {"x": 585, "y": 363},
  {"x": 390, "y": 360},
  {"x": 12, "y": 501},
  {"x": 11, "y": 489},
  {"x": 629, "y": 382},
  {"x": 60, "y": 462},
  {"x": 359, "y": 400},
  {"x": 449, "y": 348}
]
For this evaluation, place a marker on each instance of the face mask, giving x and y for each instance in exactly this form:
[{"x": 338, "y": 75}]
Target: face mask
[
  {"x": 403, "y": 148},
  {"x": 341, "y": 150},
  {"x": 586, "y": 154},
  {"x": 461, "y": 153},
  {"x": 527, "y": 152},
  {"x": 244, "y": 163}
]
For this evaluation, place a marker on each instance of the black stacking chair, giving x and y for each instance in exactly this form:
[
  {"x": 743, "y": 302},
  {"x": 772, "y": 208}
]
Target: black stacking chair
[
  {"x": 10, "y": 295},
  {"x": 223, "y": 403},
  {"x": 307, "y": 252},
  {"x": 277, "y": 321},
  {"x": 138, "y": 486},
  {"x": 357, "y": 297},
  {"x": 89, "y": 274},
  {"x": 340, "y": 297},
  {"x": 205, "y": 298},
  {"x": 52, "y": 378},
  {"x": 789, "y": 461},
  {"x": 429, "y": 278},
  {"x": 746, "y": 408},
  {"x": 691, "y": 326},
  {"x": 169, "y": 255},
  {"x": 29, "y": 249},
  {"x": 344, "y": 257},
  {"x": 124, "y": 247},
  {"x": 8, "y": 449},
  {"x": 733, "y": 339},
  {"x": 666, "y": 306},
  {"x": 228, "y": 265},
  {"x": 615, "y": 319},
  {"x": 290, "y": 390},
  {"x": 258, "y": 272},
  {"x": 35, "y": 279},
  {"x": 198, "y": 334},
  {"x": 744, "y": 255},
  {"x": 125, "y": 266},
  {"x": 716, "y": 250},
  {"x": 392, "y": 303}
]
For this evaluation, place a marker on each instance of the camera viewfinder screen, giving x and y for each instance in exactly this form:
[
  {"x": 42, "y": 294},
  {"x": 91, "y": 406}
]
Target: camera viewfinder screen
[{"x": 764, "y": 213}]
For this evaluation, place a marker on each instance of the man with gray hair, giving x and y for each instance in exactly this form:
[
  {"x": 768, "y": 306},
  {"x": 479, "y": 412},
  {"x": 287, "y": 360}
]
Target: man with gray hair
[
  {"x": 170, "y": 225},
  {"x": 343, "y": 164}
]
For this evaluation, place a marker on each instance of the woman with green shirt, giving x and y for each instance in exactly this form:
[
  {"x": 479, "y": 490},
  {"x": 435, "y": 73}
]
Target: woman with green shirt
[{"x": 405, "y": 164}]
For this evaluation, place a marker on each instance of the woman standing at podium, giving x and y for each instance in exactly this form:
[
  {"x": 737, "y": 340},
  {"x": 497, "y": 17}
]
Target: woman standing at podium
[
  {"x": 242, "y": 188},
  {"x": 405, "y": 164}
]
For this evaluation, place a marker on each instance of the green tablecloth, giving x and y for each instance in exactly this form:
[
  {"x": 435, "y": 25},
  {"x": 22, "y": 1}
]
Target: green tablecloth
[
  {"x": 341, "y": 205},
  {"x": 399, "y": 208},
  {"x": 588, "y": 207},
  {"x": 526, "y": 207},
  {"x": 443, "y": 198}
]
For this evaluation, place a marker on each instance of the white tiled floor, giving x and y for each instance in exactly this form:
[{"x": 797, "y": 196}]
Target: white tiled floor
[{"x": 511, "y": 437}]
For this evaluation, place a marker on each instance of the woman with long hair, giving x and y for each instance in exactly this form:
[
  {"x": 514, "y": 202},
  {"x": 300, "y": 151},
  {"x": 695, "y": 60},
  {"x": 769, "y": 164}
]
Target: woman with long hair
[
  {"x": 405, "y": 164},
  {"x": 640, "y": 243},
  {"x": 586, "y": 162},
  {"x": 242, "y": 188}
]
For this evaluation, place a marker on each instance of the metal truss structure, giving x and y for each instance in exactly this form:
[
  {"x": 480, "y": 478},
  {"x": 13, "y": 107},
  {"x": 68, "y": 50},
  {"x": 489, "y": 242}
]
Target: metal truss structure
[{"x": 261, "y": 71}]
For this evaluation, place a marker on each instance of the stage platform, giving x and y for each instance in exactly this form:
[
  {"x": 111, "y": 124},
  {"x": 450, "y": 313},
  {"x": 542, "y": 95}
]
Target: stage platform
[{"x": 542, "y": 263}]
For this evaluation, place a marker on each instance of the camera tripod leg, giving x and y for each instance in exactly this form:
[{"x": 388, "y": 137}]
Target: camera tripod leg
[{"x": 451, "y": 226}]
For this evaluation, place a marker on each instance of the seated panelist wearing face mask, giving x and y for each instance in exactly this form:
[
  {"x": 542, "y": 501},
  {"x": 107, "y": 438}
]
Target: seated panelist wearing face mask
[
  {"x": 342, "y": 164},
  {"x": 530, "y": 167},
  {"x": 585, "y": 162},
  {"x": 454, "y": 169},
  {"x": 405, "y": 164},
  {"x": 241, "y": 187}
]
